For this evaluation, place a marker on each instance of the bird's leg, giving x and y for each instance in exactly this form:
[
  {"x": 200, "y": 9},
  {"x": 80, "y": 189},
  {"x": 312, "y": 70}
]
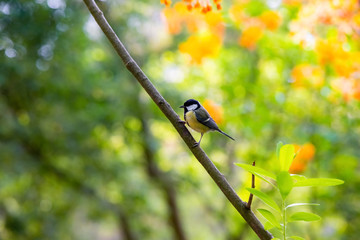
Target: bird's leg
[
  {"x": 198, "y": 143},
  {"x": 202, "y": 134}
]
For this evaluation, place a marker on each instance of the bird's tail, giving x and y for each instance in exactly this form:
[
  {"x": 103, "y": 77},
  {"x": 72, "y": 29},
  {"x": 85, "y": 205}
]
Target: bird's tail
[{"x": 225, "y": 134}]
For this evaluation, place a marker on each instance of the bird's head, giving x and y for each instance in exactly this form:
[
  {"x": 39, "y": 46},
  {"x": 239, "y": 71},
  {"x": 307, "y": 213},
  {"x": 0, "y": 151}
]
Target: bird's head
[{"x": 191, "y": 105}]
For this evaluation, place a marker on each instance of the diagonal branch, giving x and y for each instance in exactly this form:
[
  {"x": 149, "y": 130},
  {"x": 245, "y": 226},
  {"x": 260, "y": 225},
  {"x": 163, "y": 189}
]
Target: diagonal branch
[{"x": 165, "y": 107}]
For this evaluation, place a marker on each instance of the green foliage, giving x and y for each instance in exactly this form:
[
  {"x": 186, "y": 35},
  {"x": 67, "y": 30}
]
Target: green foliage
[
  {"x": 284, "y": 183},
  {"x": 317, "y": 182},
  {"x": 296, "y": 238},
  {"x": 304, "y": 216},
  {"x": 265, "y": 198},
  {"x": 286, "y": 156},
  {"x": 259, "y": 172},
  {"x": 269, "y": 216}
]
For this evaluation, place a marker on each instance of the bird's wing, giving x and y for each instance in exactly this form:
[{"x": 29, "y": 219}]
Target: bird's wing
[{"x": 205, "y": 118}]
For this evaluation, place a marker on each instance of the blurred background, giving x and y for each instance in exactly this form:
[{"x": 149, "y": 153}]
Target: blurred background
[{"x": 85, "y": 154}]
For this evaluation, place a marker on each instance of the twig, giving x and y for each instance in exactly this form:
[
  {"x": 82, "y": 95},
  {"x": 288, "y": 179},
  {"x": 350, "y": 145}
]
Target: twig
[
  {"x": 165, "y": 107},
  {"x": 253, "y": 186}
]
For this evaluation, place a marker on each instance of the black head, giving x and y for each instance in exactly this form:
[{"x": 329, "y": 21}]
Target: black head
[{"x": 191, "y": 105}]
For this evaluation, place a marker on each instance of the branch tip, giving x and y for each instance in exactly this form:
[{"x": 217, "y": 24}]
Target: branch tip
[{"x": 248, "y": 205}]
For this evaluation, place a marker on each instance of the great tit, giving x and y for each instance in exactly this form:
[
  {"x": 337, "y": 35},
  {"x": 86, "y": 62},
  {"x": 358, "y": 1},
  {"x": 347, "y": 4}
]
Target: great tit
[{"x": 199, "y": 119}]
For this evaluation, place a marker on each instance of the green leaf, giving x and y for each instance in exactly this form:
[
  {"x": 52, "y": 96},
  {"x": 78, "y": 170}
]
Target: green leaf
[
  {"x": 304, "y": 216},
  {"x": 318, "y": 182},
  {"x": 270, "y": 217},
  {"x": 302, "y": 204},
  {"x": 297, "y": 177},
  {"x": 265, "y": 198},
  {"x": 259, "y": 172},
  {"x": 278, "y": 146},
  {"x": 295, "y": 238},
  {"x": 277, "y": 232},
  {"x": 268, "y": 225},
  {"x": 275, "y": 239},
  {"x": 286, "y": 156},
  {"x": 285, "y": 183}
]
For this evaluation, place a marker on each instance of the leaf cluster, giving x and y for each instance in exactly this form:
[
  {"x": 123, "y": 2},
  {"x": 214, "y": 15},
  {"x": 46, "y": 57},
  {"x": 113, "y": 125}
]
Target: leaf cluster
[{"x": 279, "y": 215}]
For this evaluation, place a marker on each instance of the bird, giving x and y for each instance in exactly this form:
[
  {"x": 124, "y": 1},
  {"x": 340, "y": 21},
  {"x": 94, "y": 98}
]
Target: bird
[{"x": 199, "y": 119}]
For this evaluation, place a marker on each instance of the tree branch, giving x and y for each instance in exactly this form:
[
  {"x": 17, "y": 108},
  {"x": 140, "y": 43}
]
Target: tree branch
[
  {"x": 165, "y": 107},
  {"x": 252, "y": 186}
]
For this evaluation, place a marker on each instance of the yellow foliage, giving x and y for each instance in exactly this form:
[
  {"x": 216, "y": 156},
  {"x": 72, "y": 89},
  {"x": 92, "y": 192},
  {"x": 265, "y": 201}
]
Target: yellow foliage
[
  {"x": 271, "y": 20},
  {"x": 166, "y": 2},
  {"x": 306, "y": 75},
  {"x": 253, "y": 27},
  {"x": 329, "y": 50},
  {"x": 207, "y": 29},
  {"x": 236, "y": 12},
  {"x": 195, "y": 21},
  {"x": 175, "y": 17},
  {"x": 356, "y": 20},
  {"x": 345, "y": 63},
  {"x": 250, "y": 36},
  {"x": 293, "y": 2},
  {"x": 204, "y": 6},
  {"x": 200, "y": 46}
]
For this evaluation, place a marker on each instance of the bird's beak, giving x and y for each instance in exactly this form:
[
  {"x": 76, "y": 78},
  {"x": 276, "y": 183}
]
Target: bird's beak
[{"x": 182, "y": 106}]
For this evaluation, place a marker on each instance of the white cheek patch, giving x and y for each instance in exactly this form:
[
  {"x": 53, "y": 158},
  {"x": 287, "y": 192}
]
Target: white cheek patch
[{"x": 192, "y": 107}]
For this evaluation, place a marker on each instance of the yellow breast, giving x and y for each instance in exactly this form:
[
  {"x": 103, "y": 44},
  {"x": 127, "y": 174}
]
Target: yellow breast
[{"x": 194, "y": 124}]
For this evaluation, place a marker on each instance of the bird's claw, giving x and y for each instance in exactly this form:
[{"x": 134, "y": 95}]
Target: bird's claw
[
  {"x": 182, "y": 122},
  {"x": 195, "y": 145}
]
